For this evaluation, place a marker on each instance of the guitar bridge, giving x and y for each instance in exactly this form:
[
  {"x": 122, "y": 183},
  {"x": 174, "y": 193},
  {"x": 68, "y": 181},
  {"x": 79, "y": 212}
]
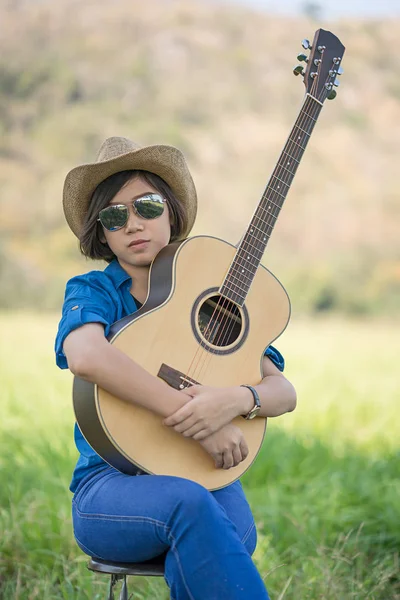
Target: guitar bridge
[{"x": 175, "y": 378}]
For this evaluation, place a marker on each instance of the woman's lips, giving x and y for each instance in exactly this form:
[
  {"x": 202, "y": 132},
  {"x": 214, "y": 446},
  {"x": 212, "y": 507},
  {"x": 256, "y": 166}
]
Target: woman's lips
[{"x": 138, "y": 245}]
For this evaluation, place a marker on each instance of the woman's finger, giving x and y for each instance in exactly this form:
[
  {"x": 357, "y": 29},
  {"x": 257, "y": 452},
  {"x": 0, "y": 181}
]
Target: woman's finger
[
  {"x": 185, "y": 425},
  {"x": 201, "y": 435},
  {"x": 237, "y": 455},
  {"x": 218, "y": 459},
  {"x": 193, "y": 430},
  {"x": 228, "y": 459},
  {"x": 244, "y": 448}
]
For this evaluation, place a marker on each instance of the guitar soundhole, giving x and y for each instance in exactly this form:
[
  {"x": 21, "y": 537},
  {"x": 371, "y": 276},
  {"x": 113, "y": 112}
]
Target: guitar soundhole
[{"x": 219, "y": 321}]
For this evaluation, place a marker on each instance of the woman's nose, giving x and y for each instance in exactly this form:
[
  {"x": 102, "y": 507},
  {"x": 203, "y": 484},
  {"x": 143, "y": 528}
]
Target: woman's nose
[{"x": 134, "y": 223}]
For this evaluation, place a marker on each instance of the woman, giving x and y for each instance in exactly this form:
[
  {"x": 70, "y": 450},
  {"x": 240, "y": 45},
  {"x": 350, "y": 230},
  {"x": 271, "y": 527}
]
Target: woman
[{"x": 124, "y": 208}]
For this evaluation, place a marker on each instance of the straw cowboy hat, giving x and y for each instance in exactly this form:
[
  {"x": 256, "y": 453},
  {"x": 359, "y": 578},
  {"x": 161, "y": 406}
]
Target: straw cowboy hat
[{"x": 120, "y": 154}]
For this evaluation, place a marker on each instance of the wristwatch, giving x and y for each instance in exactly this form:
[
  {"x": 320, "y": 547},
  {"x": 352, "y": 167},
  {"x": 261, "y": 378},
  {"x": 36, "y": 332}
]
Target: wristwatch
[{"x": 257, "y": 404}]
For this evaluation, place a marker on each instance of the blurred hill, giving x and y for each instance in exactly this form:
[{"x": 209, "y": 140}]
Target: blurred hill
[{"x": 216, "y": 81}]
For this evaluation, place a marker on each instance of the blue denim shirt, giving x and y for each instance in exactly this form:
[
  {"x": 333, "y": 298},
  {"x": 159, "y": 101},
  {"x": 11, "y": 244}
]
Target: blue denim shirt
[{"x": 101, "y": 297}]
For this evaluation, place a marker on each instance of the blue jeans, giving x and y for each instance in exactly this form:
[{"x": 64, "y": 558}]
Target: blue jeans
[{"x": 208, "y": 537}]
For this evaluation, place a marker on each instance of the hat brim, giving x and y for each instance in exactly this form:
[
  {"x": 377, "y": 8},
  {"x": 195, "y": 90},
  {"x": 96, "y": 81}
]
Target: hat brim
[{"x": 165, "y": 161}]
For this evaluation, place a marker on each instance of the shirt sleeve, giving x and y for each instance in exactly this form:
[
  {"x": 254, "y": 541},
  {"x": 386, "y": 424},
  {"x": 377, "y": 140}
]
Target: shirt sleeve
[
  {"x": 276, "y": 357},
  {"x": 85, "y": 301}
]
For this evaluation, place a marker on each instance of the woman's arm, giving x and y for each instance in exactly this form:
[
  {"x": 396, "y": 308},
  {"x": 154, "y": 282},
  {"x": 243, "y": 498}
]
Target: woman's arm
[
  {"x": 277, "y": 394},
  {"x": 210, "y": 408},
  {"x": 91, "y": 357}
]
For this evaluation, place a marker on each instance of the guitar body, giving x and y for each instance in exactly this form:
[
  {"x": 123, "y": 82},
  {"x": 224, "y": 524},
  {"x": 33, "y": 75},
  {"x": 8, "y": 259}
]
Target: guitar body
[{"x": 167, "y": 337}]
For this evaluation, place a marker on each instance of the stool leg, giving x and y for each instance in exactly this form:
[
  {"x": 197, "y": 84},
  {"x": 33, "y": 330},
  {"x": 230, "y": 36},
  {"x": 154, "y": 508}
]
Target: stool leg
[
  {"x": 124, "y": 590},
  {"x": 113, "y": 581}
]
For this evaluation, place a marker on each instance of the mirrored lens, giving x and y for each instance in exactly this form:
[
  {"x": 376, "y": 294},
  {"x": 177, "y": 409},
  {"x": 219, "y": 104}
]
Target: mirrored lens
[
  {"x": 150, "y": 206},
  {"x": 114, "y": 217}
]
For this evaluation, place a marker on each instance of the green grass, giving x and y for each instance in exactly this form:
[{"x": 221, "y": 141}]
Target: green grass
[{"x": 324, "y": 490}]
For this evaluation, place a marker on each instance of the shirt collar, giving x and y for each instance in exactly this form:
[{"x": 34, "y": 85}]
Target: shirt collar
[{"x": 117, "y": 274}]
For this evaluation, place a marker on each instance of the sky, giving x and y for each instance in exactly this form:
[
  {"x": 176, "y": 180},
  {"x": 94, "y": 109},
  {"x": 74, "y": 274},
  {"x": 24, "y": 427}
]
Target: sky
[{"x": 330, "y": 9}]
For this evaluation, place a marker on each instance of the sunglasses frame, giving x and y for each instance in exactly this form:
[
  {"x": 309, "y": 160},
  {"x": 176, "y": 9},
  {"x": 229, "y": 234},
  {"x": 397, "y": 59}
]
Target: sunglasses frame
[{"x": 133, "y": 204}]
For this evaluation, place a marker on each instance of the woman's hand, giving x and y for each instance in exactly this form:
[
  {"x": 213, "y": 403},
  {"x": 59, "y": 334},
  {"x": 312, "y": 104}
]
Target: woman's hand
[
  {"x": 227, "y": 446},
  {"x": 209, "y": 409}
]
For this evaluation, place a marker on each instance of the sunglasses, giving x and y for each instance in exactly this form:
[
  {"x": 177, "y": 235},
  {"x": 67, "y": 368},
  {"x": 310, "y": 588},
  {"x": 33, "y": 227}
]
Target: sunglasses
[{"x": 149, "y": 206}]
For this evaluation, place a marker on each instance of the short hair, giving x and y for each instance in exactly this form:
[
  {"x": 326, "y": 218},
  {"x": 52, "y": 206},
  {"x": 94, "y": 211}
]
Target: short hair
[{"x": 90, "y": 244}]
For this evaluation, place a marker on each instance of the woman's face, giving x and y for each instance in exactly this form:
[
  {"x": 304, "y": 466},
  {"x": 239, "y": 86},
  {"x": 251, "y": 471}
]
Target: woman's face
[{"x": 156, "y": 232}]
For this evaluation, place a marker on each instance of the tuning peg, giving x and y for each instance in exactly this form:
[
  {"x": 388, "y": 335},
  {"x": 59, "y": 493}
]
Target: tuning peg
[
  {"x": 299, "y": 70},
  {"x": 336, "y": 83},
  {"x": 331, "y": 95},
  {"x": 340, "y": 70},
  {"x": 302, "y": 57},
  {"x": 306, "y": 44}
]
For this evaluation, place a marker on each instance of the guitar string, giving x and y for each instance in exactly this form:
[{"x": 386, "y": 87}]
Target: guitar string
[
  {"x": 231, "y": 324},
  {"x": 289, "y": 144},
  {"x": 297, "y": 126},
  {"x": 228, "y": 321},
  {"x": 300, "y": 121},
  {"x": 247, "y": 245}
]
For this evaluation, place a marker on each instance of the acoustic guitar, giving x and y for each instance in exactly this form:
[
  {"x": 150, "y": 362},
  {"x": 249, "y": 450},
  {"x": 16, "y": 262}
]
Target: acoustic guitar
[{"x": 211, "y": 311}]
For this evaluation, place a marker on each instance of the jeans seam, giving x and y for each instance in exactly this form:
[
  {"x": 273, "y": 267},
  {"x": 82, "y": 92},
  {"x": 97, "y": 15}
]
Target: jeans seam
[
  {"x": 176, "y": 553},
  {"x": 169, "y": 586},
  {"x": 247, "y": 534},
  {"x": 132, "y": 518}
]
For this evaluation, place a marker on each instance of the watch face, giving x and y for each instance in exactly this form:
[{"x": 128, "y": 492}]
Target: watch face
[{"x": 254, "y": 412}]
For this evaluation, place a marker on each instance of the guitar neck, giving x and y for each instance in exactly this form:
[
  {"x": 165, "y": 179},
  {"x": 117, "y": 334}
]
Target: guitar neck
[{"x": 254, "y": 242}]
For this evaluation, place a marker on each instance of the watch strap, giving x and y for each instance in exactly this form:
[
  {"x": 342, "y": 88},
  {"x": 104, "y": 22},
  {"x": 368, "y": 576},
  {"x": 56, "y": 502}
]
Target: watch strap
[{"x": 257, "y": 403}]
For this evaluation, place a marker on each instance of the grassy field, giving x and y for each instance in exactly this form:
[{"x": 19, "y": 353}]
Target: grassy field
[{"x": 325, "y": 488}]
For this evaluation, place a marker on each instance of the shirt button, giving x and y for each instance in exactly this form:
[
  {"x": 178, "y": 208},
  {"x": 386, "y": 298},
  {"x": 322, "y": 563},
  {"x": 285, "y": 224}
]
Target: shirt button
[{"x": 74, "y": 307}]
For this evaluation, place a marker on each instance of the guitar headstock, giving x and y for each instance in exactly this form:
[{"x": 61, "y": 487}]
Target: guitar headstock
[{"x": 323, "y": 65}]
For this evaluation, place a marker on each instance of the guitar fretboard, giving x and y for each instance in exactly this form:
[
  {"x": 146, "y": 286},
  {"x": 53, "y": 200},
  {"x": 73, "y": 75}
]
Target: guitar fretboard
[{"x": 254, "y": 242}]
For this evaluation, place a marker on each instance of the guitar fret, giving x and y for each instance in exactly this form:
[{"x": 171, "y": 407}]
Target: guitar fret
[
  {"x": 303, "y": 130},
  {"x": 264, "y": 222},
  {"x": 237, "y": 293},
  {"x": 236, "y": 266},
  {"x": 240, "y": 249},
  {"x": 302, "y": 147},
  {"x": 271, "y": 201},
  {"x": 262, "y": 219},
  {"x": 229, "y": 293},
  {"x": 250, "y": 245},
  {"x": 262, "y": 230},
  {"x": 242, "y": 275},
  {"x": 281, "y": 180},
  {"x": 288, "y": 170},
  {"x": 249, "y": 270},
  {"x": 292, "y": 157},
  {"x": 276, "y": 191},
  {"x": 248, "y": 253},
  {"x": 309, "y": 116},
  {"x": 256, "y": 238},
  {"x": 238, "y": 286}
]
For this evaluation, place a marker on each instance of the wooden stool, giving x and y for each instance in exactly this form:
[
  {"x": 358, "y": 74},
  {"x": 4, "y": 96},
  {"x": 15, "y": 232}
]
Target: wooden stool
[{"x": 149, "y": 568}]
